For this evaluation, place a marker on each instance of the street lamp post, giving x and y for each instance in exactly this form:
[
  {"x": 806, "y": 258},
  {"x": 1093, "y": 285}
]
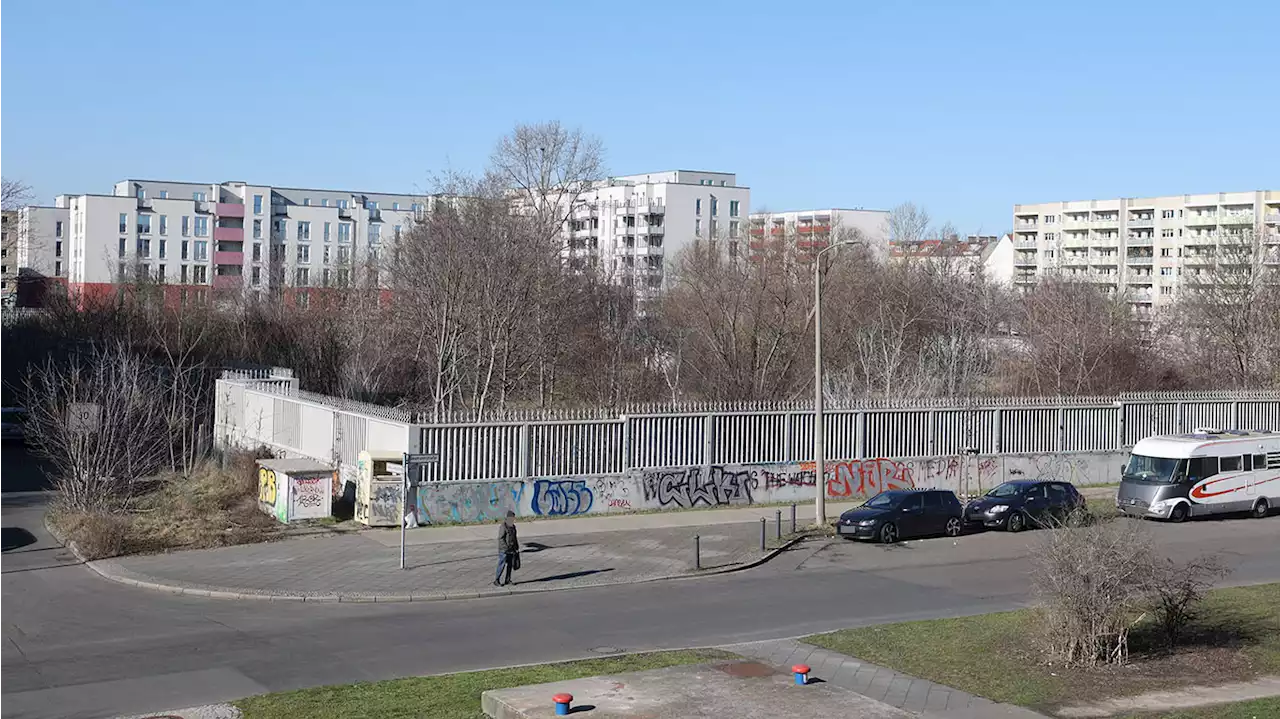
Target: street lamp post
[{"x": 819, "y": 457}]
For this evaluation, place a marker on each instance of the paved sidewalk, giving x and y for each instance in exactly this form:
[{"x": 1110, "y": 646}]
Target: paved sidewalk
[
  {"x": 364, "y": 566},
  {"x": 900, "y": 690}
]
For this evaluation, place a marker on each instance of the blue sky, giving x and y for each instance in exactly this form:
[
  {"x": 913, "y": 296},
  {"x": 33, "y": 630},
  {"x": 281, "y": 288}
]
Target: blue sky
[{"x": 962, "y": 107}]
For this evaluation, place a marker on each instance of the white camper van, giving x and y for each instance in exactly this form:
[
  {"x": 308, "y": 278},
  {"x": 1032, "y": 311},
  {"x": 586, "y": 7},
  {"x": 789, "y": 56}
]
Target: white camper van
[{"x": 1209, "y": 471}]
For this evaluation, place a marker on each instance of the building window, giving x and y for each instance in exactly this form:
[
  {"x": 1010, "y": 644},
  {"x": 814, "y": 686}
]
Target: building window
[
  {"x": 301, "y": 275},
  {"x": 199, "y": 274},
  {"x": 342, "y": 204},
  {"x": 712, "y": 233},
  {"x": 375, "y": 233},
  {"x": 199, "y": 196},
  {"x": 279, "y": 230},
  {"x": 697, "y": 228},
  {"x": 57, "y": 229},
  {"x": 257, "y": 252},
  {"x": 395, "y": 205},
  {"x": 256, "y": 276},
  {"x": 163, "y": 248},
  {"x": 257, "y": 204},
  {"x": 395, "y": 233},
  {"x": 144, "y": 224},
  {"x": 1166, "y": 290},
  {"x": 344, "y": 232},
  {"x": 416, "y": 207},
  {"x": 164, "y": 194},
  {"x": 733, "y": 208},
  {"x": 306, "y": 202},
  {"x": 185, "y": 249},
  {"x": 257, "y": 229},
  {"x": 304, "y": 231},
  {"x": 57, "y": 268},
  {"x": 141, "y": 193},
  {"x": 326, "y": 232},
  {"x": 201, "y": 251},
  {"x": 370, "y": 205},
  {"x": 122, "y": 246},
  {"x": 344, "y": 255},
  {"x": 304, "y": 254},
  {"x": 202, "y": 227},
  {"x": 124, "y": 223},
  {"x": 326, "y": 257},
  {"x": 733, "y": 228},
  {"x": 1048, "y": 236},
  {"x": 715, "y": 207},
  {"x": 1166, "y": 214},
  {"x": 324, "y": 202},
  {"x": 186, "y": 226},
  {"x": 697, "y": 206}
]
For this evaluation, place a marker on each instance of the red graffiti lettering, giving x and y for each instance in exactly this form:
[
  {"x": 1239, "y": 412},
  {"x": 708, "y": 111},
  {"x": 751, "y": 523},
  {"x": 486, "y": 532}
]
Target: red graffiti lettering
[
  {"x": 620, "y": 503},
  {"x": 864, "y": 478}
]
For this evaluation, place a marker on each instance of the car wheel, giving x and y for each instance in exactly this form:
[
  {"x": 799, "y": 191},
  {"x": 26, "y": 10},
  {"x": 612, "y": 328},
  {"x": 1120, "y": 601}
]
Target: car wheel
[
  {"x": 1179, "y": 513},
  {"x": 954, "y": 526},
  {"x": 1261, "y": 508},
  {"x": 1017, "y": 522},
  {"x": 889, "y": 533}
]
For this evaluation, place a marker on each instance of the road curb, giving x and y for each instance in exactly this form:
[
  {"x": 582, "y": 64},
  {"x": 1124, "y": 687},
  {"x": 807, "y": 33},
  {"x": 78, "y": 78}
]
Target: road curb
[{"x": 104, "y": 569}]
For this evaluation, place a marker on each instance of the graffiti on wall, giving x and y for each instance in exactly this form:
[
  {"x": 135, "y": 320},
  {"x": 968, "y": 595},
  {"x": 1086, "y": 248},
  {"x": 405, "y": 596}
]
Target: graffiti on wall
[
  {"x": 308, "y": 492},
  {"x": 688, "y": 487},
  {"x": 266, "y": 486},
  {"x": 865, "y": 477},
  {"x": 384, "y": 505},
  {"x": 561, "y": 497},
  {"x": 461, "y": 502}
]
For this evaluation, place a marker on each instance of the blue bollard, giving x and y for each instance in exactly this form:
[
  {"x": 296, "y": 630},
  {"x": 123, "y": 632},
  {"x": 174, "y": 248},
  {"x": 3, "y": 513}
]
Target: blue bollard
[
  {"x": 562, "y": 703},
  {"x": 802, "y": 674}
]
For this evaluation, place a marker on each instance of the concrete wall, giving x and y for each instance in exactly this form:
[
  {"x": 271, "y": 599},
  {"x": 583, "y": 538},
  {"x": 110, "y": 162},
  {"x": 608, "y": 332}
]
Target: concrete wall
[{"x": 675, "y": 488}]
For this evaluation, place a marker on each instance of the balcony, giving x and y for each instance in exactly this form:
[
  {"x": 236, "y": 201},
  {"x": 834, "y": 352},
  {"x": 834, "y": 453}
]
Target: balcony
[
  {"x": 228, "y": 234},
  {"x": 343, "y": 212},
  {"x": 375, "y": 214},
  {"x": 1105, "y": 240},
  {"x": 1024, "y": 277},
  {"x": 1236, "y": 218},
  {"x": 1141, "y": 278},
  {"x": 144, "y": 203},
  {"x": 778, "y": 231},
  {"x": 1273, "y": 218},
  {"x": 1075, "y": 260},
  {"x": 279, "y": 209},
  {"x": 1197, "y": 260},
  {"x": 756, "y": 231},
  {"x": 1106, "y": 221},
  {"x": 1024, "y": 244},
  {"x": 1075, "y": 224},
  {"x": 228, "y": 282},
  {"x": 1201, "y": 220},
  {"x": 228, "y": 258},
  {"x": 1026, "y": 226},
  {"x": 1144, "y": 297},
  {"x": 1139, "y": 260},
  {"x": 1104, "y": 260},
  {"x": 230, "y": 209},
  {"x": 1148, "y": 222},
  {"x": 204, "y": 206},
  {"x": 1142, "y": 240}
]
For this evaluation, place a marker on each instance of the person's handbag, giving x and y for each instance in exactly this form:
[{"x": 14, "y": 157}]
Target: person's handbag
[{"x": 515, "y": 563}]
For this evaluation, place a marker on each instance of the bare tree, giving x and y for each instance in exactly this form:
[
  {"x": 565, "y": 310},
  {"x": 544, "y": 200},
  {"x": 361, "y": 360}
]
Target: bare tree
[
  {"x": 14, "y": 194},
  {"x": 548, "y": 167},
  {"x": 908, "y": 223}
]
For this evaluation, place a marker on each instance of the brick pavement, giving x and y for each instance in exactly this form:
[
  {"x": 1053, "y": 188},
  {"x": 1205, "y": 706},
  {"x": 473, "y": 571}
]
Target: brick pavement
[{"x": 365, "y": 566}]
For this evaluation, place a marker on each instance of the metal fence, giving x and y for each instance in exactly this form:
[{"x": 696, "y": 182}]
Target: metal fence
[{"x": 270, "y": 410}]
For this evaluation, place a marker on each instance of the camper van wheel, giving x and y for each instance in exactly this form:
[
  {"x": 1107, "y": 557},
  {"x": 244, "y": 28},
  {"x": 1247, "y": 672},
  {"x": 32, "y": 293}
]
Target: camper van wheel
[
  {"x": 1261, "y": 508},
  {"x": 1179, "y": 513}
]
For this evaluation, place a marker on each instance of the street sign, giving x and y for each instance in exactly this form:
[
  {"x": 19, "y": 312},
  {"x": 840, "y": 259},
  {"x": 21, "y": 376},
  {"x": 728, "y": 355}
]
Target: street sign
[
  {"x": 417, "y": 459},
  {"x": 83, "y": 417},
  {"x": 411, "y": 461}
]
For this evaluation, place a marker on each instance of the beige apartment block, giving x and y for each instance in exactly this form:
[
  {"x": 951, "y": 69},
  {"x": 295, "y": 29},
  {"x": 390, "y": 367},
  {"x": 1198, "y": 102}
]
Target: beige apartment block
[{"x": 1142, "y": 248}]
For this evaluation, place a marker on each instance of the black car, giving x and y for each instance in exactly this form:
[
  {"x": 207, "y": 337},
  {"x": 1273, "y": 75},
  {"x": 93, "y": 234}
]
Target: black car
[
  {"x": 1014, "y": 505},
  {"x": 899, "y": 513}
]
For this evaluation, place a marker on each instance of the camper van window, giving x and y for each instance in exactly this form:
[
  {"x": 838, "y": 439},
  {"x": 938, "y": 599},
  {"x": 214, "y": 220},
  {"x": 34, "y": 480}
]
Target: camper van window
[
  {"x": 1203, "y": 467},
  {"x": 1248, "y": 462},
  {"x": 1229, "y": 464},
  {"x": 1152, "y": 469},
  {"x": 1259, "y": 461}
]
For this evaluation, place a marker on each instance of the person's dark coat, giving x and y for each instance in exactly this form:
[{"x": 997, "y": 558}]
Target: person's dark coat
[{"x": 507, "y": 541}]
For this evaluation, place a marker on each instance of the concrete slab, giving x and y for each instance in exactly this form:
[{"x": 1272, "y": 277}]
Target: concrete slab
[{"x": 739, "y": 689}]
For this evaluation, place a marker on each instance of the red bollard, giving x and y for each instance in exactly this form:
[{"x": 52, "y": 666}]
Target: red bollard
[
  {"x": 802, "y": 674},
  {"x": 562, "y": 703}
]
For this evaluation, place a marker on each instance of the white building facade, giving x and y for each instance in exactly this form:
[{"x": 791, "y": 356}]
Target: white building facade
[
  {"x": 631, "y": 226},
  {"x": 809, "y": 231},
  {"x": 231, "y": 236},
  {"x": 1141, "y": 247}
]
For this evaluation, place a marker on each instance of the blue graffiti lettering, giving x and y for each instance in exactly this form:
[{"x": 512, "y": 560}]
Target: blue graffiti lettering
[{"x": 558, "y": 498}]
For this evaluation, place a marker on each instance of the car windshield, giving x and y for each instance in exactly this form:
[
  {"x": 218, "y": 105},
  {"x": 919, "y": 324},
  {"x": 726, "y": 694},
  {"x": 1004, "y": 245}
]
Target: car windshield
[
  {"x": 884, "y": 500},
  {"x": 1008, "y": 489},
  {"x": 1159, "y": 470}
]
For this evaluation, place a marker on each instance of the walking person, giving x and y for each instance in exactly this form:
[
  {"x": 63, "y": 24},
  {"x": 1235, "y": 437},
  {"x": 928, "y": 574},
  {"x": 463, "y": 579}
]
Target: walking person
[{"x": 508, "y": 550}]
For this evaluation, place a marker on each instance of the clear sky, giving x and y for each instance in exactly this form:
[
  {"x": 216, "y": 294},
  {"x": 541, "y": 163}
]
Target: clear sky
[{"x": 964, "y": 107}]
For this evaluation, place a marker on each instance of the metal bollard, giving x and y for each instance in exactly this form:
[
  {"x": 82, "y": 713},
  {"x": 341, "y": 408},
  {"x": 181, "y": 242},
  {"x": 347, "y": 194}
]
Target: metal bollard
[
  {"x": 778, "y": 522},
  {"x": 697, "y": 551},
  {"x": 801, "y": 672},
  {"x": 793, "y": 519},
  {"x": 763, "y": 521},
  {"x": 562, "y": 702}
]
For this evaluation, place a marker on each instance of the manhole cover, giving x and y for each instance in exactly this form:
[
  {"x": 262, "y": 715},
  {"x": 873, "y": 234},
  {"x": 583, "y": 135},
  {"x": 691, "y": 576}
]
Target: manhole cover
[
  {"x": 606, "y": 650},
  {"x": 746, "y": 669}
]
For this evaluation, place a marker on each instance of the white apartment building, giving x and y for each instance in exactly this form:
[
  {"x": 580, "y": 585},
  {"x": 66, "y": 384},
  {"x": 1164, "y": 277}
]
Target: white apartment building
[
  {"x": 809, "y": 231},
  {"x": 976, "y": 256},
  {"x": 1141, "y": 247},
  {"x": 631, "y": 225},
  {"x": 231, "y": 236}
]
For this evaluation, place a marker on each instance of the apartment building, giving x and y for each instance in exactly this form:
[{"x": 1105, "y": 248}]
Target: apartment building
[
  {"x": 1140, "y": 247},
  {"x": 807, "y": 232},
  {"x": 8, "y": 257},
  {"x": 986, "y": 256},
  {"x": 194, "y": 237},
  {"x": 631, "y": 225}
]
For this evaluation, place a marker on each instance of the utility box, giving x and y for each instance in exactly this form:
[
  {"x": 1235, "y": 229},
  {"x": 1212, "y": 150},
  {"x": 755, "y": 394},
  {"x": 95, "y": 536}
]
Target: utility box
[
  {"x": 294, "y": 489},
  {"x": 379, "y": 488}
]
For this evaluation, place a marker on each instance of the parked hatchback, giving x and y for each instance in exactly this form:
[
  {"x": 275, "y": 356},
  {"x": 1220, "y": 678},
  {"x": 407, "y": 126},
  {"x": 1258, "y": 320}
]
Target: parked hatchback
[
  {"x": 901, "y": 513},
  {"x": 1015, "y": 505}
]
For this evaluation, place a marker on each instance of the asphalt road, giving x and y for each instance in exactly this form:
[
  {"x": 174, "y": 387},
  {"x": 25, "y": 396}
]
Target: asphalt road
[{"x": 78, "y": 646}]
